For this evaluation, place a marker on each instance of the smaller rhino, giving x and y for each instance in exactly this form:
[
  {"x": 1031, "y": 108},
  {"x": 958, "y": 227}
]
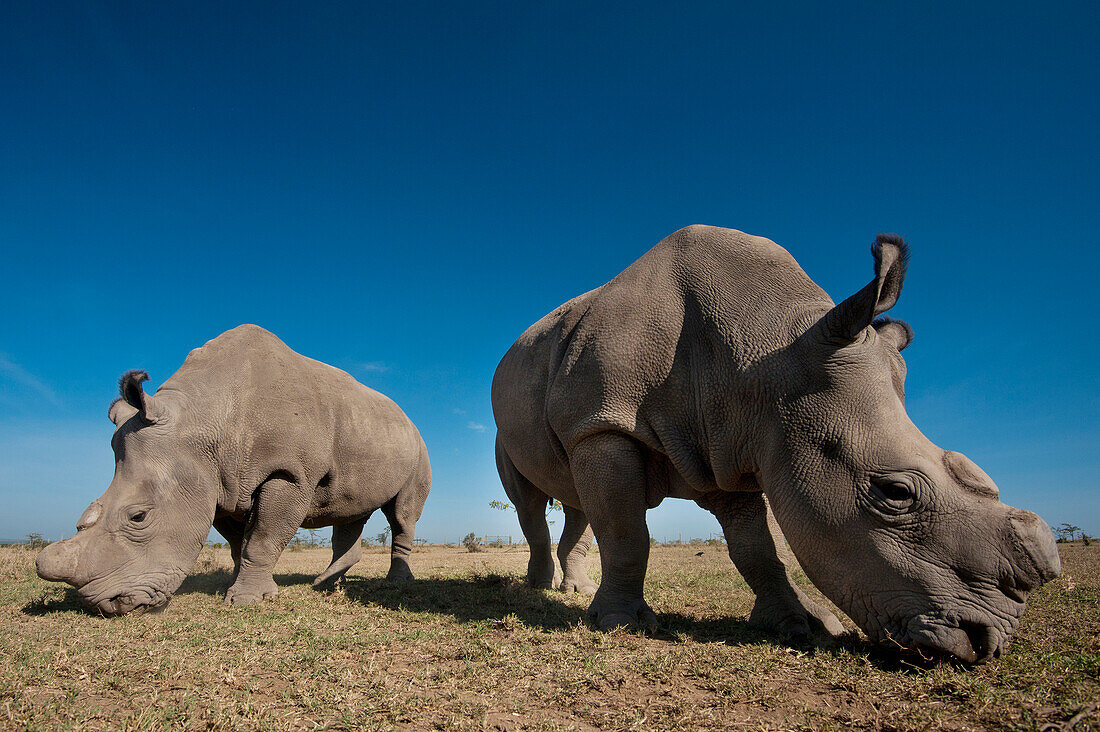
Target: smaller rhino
[{"x": 256, "y": 440}]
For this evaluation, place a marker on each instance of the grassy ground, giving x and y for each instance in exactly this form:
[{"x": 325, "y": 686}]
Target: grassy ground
[{"x": 468, "y": 646}]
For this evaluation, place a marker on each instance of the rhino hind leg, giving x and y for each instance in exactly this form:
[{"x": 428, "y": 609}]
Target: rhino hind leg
[
  {"x": 346, "y": 551},
  {"x": 277, "y": 512},
  {"x": 403, "y": 511},
  {"x": 530, "y": 504},
  {"x": 780, "y": 606},
  {"x": 609, "y": 474},
  {"x": 576, "y": 540}
]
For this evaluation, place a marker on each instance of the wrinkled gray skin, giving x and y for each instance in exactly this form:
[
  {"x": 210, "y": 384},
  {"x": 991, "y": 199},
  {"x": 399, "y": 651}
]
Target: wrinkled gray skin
[
  {"x": 256, "y": 440},
  {"x": 714, "y": 369}
]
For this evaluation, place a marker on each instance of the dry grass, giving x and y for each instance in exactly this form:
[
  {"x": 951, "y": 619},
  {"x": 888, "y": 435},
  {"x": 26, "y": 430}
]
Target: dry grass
[{"x": 468, "y": 646}]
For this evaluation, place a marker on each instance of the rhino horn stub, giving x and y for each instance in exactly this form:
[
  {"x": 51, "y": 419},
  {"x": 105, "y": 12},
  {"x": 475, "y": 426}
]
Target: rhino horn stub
[
  {"x": 132, "y": 395},
  {"x": 57, "y": 562},
  {"x": 845, "y": 321},
  {"x": 90, "y": 516}
]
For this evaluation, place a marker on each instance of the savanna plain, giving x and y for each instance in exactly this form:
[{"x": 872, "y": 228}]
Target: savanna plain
[{"x": 469, "y": 646}]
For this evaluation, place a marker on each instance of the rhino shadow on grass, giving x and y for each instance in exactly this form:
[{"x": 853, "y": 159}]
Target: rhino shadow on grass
[
  {"x": 468, "y": 599},
  {"x": 47, "y": 605},
  {"x": 481, "y": 597},
  {"x": 489, "y": 597}
]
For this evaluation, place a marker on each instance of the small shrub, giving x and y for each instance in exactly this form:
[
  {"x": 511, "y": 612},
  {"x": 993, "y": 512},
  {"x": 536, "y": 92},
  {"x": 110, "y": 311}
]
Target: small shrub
[{"x": 471, "y": 542}]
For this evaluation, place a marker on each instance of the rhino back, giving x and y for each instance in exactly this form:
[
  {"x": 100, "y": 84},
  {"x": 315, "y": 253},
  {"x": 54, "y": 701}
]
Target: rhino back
[
  {"x": 269, "y": 410},
  {"x": 662, "y": 351}
]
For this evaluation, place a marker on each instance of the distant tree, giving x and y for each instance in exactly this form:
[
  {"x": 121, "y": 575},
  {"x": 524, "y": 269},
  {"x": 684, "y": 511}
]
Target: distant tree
[
  {"x": 471, "y": 542},
  {"x": 554, "y": 505},
  {"x": 1066, "y": 532},
  {"x": 383, "y": 536},
  {"x": 34, "y": 540}
]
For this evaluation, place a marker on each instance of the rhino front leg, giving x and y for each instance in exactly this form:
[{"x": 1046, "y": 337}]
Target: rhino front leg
[
  {"x": 233, "y": 533},
  {"x": 277, "y": 513},
  {"x": 347, "y": 549},
  {"x": 530, "y": 503},
  {"x": 576, "y": 540},
  {"x": 780, "y": 606},
  {"x": 609, "y": 475}
]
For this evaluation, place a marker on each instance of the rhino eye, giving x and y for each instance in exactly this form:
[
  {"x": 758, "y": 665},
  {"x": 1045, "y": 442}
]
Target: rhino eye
[
  {"x": 138, "y": 517},
  {"x": 892, "y": 494}
]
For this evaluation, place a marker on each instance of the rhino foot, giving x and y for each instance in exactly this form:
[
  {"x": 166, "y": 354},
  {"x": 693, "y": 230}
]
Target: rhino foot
[
  {"x": 541, "y": 572},
  {"x": 632, "y": 615},
  {"x": 240, "y": 594},
  {"x": 803, "y": 619},
  {"x": 580, "y": 585},
  {"x": 399, "y": 573}
]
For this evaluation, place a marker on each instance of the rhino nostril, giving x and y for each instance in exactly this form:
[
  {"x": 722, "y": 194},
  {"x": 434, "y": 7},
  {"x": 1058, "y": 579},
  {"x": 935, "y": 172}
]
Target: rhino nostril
[{"x": 983, "y": 640}]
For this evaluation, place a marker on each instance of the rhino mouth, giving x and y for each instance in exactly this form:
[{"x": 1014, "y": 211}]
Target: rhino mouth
[
  {"x": 950, "y": 637},
  {"x": 968, "y": 642}
]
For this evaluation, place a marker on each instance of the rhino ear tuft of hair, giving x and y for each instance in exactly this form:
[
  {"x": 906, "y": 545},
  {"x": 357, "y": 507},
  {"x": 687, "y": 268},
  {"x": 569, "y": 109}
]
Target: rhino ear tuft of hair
[
  {"x": 891, "y": 254},
  {"x": 129, "y": 387},
  {"x": 847, "y": 319}
]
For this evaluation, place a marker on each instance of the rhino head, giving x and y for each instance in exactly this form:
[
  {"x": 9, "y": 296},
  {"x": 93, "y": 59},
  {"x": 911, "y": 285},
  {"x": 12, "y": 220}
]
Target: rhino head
[
  {"x": 910, "y": 540},
  {"x": 136, "y": 542}
]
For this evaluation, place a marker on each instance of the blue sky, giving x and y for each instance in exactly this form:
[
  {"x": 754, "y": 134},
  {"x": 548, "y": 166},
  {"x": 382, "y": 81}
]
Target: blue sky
[{"x": 401, "y": 188}]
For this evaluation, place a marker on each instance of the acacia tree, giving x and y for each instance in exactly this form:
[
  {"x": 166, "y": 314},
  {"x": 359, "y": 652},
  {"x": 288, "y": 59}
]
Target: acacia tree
[
  {"x": 1066, "y": 532},
  {"x": 34, "y": 540}
]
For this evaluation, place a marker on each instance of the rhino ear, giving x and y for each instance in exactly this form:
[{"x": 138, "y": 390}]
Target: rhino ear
[
  {"x": 845, "y": 321},
  {"x": 896, "y": 332},
  {"x": 120, "y": 412},
  {"x": 129, "y": 388}
]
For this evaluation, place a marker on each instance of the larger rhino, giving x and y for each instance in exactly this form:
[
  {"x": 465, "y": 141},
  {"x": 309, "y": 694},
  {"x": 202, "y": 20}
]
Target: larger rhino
[
  {"x": 256, "y": 440},
  {"x": 714, "y": 369}
]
